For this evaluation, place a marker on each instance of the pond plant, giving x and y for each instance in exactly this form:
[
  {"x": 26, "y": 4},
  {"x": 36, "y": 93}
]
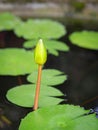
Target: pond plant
[
  {"x": 40, "y": 59},
  {"x": 85, "y": 39},
  {"x": 47, "y": 113},
  {"x": 8, "y": 21}
]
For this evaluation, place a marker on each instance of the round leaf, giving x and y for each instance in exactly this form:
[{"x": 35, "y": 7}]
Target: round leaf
[
  {"x": 34, "y": 29},
  {"x": 14, "y": 61},
  {"x": 49, "y": 77},
  {"x": 85, "y": 39},
  {"x": 8, "y": 21},
  {"x": 61, "y": 117},
  {"x": 24, "y": 95}
]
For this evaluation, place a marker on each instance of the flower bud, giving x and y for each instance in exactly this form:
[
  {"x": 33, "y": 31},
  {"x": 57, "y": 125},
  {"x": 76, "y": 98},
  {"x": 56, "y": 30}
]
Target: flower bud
[{"x": 40, "y": 53}]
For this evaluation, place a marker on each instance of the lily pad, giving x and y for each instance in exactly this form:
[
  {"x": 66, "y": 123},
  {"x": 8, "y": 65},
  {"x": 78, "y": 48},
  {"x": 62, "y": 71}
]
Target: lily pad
[
  {"x": 8, "y": 21},
  {"x": 60, "y": 117},
  {"x": 85, "y": 39},
  {"x": 14, "y": 61},
  {"x": 37, "y": 28},
  {"x": 52, "y": 46},
  {"x": 24, "y": 95},
  {"x": 49, "y": 77}
]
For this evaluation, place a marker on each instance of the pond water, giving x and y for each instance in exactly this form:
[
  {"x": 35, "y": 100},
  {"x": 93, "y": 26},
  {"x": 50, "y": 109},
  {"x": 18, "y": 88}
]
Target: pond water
[{"x": 81, "y": 66}]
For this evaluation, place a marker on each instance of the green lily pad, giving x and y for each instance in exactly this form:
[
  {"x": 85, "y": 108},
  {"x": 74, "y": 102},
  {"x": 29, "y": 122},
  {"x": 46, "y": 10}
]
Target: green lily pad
[
  {"x": 49, "y": 77},
  {"x": 37, "y": 28},
  {"x": 60, "y": 117},
  {"x": 85, "y": 39},
  {"x": 8, "y": 21},
  {"x": 14, "y": 61},
  {"x": 52, "y": 46},
  {"x": 24, "y": 95}
]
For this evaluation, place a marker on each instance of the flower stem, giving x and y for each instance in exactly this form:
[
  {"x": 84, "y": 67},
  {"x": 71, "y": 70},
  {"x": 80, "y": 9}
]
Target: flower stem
[{"x": 37, "y": 88}]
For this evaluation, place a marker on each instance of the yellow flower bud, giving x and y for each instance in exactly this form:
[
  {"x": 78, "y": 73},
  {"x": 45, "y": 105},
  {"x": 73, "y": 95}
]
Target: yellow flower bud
[{"x": 40, "y": 53}]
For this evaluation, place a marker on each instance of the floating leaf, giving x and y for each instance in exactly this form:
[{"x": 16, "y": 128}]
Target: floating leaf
[
  {"x": 52, "y": 46},
  {"x": 49, "y": 77},
  {"x": 60, "y": 117},
  {"x": 14, "y": 61},
  {"x": 24, "y": 95},
  {"x": 86, "y": 39},
  {"x": 8, "y": 21},
  {"x": 34, "y": 29},
  {"x": 30, "y": 44}
]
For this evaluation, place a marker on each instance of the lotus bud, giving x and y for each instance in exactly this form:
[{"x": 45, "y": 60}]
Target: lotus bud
[{"x": 40, "y": 53}]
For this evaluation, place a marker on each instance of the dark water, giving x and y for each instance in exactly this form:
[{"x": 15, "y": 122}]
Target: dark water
[{"x": 81, "y": 66}]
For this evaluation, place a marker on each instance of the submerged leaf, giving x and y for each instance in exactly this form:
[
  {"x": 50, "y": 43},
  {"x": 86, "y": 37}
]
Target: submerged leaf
[
  {"x": 60, "y": 117},
  {"x": 24, "y": 95},
  {"x": 49, "y": 77},
  {"x": 86, "y": 39},
  {"x": 8, "y": 21},
  {"x": 34, "y": 29},
  {"x": 14, "y": 61},
  {"x": 52, "y": 46}
]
